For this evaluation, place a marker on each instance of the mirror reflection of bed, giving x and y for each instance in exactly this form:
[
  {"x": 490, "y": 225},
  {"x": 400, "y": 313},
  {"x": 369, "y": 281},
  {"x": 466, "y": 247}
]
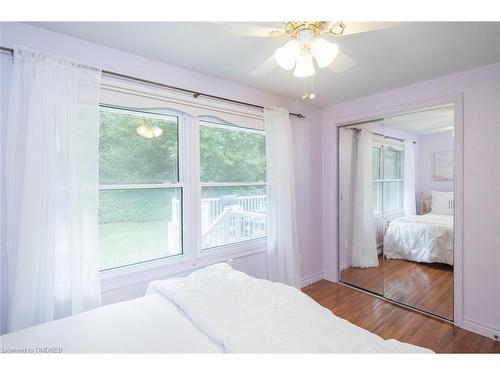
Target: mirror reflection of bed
[{"x": 396, "y": 205}]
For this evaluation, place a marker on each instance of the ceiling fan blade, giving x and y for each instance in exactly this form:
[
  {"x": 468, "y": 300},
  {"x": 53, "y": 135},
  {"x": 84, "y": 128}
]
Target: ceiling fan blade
[
  {"x": 249, "y": 29},
  {"x": 363, "y": 27},
  {"x": 265, "y": 67},
  {"x": 341, "y": 64}
]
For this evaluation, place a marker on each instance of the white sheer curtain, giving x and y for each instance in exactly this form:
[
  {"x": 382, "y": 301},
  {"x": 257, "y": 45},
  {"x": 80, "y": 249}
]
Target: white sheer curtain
[
  {"x": 364, "y": 243},
  {"x": 282, "y": 239},
  {"x": 409, "y": 205},
  {"x": 51, "y": 160}
]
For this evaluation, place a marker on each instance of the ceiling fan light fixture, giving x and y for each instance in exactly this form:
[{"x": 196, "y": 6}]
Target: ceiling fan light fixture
[
  {"x": 324, "y": 52},
  {"x": 304, "y": 67},
  {"x": 287, "y": 55}
]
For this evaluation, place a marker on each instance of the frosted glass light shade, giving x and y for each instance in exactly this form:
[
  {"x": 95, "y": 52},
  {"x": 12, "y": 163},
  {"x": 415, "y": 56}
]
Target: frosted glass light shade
[
  {"x": 287, "y": 55},
  {"x": 149, "y": 132},
  {"x": 324, "y": 52},
  {"x": 304, "y": 67}
]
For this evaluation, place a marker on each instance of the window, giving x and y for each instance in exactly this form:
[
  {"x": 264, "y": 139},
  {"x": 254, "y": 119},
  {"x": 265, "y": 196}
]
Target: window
[
  {"x": 182, "y": 183},
  {"x": 387, "y": 174},
  {"x": 233, "y": 188},
  {"x": 140, "y": 194}
]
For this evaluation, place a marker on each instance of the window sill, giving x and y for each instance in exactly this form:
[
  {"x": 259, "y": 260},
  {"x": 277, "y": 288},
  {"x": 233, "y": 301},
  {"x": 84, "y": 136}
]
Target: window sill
[
  {"x": 234, "y": 250},
  {"x": 176, "y": 266}
]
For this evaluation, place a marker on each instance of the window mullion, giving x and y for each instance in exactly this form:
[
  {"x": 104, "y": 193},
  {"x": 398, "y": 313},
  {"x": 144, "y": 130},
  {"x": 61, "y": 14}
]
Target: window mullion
[
  {"x": 230, "y": 184},
  {"x": 141, "y": 186},
  {"x": 191, "y": 168}
]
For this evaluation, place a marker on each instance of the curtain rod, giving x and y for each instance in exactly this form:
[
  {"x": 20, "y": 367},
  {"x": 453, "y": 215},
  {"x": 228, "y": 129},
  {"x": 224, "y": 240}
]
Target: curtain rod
[
  {"x": 385, "y": 136},
  {"x": 195, "y": 94}
]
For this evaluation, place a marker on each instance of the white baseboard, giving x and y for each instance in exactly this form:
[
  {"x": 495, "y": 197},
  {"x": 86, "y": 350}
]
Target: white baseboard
[
  {"x": 481, "y": 329},
  {"x": 312, "y": 278},
  {"x": 345, "y": 265}
]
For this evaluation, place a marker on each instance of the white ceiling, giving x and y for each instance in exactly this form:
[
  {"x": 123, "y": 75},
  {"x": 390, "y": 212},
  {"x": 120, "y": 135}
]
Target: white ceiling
[
  {"x": 423, "y": 122},
  {"x": 382, "y": 59}
]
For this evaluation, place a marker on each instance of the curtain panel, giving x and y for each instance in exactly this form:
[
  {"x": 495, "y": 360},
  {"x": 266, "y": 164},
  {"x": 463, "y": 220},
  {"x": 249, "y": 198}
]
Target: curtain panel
[
  {"x": 364, "y": 243},
  {"x": 282, "y": 238},
  {"x": 51, "y": 158}
]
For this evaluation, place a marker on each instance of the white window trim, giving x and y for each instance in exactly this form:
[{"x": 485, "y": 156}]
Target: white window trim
[
  {"x": 193, "y": 256},
  {"x": 230, "y": 249},
  {"x": 181, "y": 183},
  {"x": 126, "y": 93},
  {"x": 382, "y": 145}
]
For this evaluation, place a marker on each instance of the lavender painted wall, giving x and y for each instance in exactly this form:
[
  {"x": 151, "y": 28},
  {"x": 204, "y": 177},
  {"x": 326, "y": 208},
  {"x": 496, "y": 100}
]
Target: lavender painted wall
[
  {"x": 481, "y": 185},
  {"x": 427, "y": 146},
  {"x": 306, "y": 133}
]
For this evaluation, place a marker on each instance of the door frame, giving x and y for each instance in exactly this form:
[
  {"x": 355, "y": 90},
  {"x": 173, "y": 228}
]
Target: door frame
[{"x": 457, "y": 101}]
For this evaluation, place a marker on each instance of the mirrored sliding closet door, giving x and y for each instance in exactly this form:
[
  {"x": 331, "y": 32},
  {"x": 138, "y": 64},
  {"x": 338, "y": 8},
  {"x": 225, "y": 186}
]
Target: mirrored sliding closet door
[{"x": 396, "y": 208}]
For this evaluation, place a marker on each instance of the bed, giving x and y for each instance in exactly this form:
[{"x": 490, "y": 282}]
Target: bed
[
  {"x": 426, "y": 238},
  {"x": 214, "y": 310}
]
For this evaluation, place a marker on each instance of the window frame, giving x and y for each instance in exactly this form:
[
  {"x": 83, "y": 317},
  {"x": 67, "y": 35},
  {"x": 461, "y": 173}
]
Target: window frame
[
  {"x": 233, "y": 246},
  {"x": 192, "y": 256},
  {"x": 179, "y": 184},
  {"x": 382, "y": 146}
]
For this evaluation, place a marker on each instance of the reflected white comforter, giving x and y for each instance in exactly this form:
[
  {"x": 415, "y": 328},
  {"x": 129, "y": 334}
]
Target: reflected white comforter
[{"x": 420, "y": 238}]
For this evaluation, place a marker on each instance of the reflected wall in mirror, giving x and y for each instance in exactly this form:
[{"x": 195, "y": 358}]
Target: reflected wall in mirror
[{"x": 395, "y": 217}]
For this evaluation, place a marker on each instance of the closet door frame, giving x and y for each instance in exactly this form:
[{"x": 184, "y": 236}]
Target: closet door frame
[{"x": 457, "y": 101}]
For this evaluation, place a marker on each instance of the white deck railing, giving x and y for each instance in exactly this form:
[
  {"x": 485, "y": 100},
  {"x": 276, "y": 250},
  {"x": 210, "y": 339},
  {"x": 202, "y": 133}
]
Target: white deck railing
[
  {"x": 239, "y": 222},
  {"x": 223, "y": 225},
  {"x": 234, "y": 225},
  {"x": 211, "y": 208}
]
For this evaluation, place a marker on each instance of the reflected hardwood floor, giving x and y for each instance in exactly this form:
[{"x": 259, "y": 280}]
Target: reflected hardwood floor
[
  {"x": 428, "y": 287},
  {"x": 394, "y": 322}
]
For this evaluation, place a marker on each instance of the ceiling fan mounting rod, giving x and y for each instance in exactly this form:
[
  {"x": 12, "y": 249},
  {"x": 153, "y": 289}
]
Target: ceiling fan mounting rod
[{"x": 294, "y": 28}]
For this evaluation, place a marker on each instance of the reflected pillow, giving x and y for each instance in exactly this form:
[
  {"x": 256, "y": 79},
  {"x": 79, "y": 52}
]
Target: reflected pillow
[{"x": 442, "y": 202}]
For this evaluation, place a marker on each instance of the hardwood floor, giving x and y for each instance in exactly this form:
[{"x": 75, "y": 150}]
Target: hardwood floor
[
  {"x": 394, "y": 322},
  {"x": 428, "y": 287}
]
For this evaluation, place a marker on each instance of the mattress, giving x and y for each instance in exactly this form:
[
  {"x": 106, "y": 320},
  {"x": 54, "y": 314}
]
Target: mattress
[{"x": 420, "y": 238}]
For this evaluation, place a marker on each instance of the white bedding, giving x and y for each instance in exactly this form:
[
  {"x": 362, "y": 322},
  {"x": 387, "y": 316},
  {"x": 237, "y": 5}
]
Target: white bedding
[
  {"x": 248, "y": 315},
  {"x": 214, "y": 310},
  {"x": 420, "y": 238}
]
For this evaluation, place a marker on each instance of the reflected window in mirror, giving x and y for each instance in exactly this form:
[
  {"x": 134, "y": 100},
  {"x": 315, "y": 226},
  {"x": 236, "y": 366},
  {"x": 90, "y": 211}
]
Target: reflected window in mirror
[{"x": 387, "y": 175}]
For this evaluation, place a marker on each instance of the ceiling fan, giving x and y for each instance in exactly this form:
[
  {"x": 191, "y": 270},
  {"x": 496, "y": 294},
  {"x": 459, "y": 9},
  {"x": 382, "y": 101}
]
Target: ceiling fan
[
  {"x": 308, "y": 41},
  {"x": 307, "y": 46}
]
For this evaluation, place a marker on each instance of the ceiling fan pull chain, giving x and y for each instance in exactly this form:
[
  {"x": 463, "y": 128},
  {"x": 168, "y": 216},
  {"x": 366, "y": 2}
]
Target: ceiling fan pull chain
[
  {"x": 306, "y": 94},
  {"x": 308, "y": 89},
  {"x": 312, "y": 95}
]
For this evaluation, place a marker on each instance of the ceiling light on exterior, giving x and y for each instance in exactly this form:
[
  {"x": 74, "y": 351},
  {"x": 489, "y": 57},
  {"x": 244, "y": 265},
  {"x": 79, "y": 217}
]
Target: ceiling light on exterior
[{"x": 149, "y": 132}]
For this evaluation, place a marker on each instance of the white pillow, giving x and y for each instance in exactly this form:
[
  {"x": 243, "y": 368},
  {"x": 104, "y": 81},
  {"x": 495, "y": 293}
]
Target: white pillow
[{"x": 442, "y": 202}]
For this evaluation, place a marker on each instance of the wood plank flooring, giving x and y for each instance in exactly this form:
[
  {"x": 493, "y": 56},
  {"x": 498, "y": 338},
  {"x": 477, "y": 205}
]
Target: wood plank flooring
[
  {"x": 391, "y": 321},
  {"x": 428, "y": 287}
]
